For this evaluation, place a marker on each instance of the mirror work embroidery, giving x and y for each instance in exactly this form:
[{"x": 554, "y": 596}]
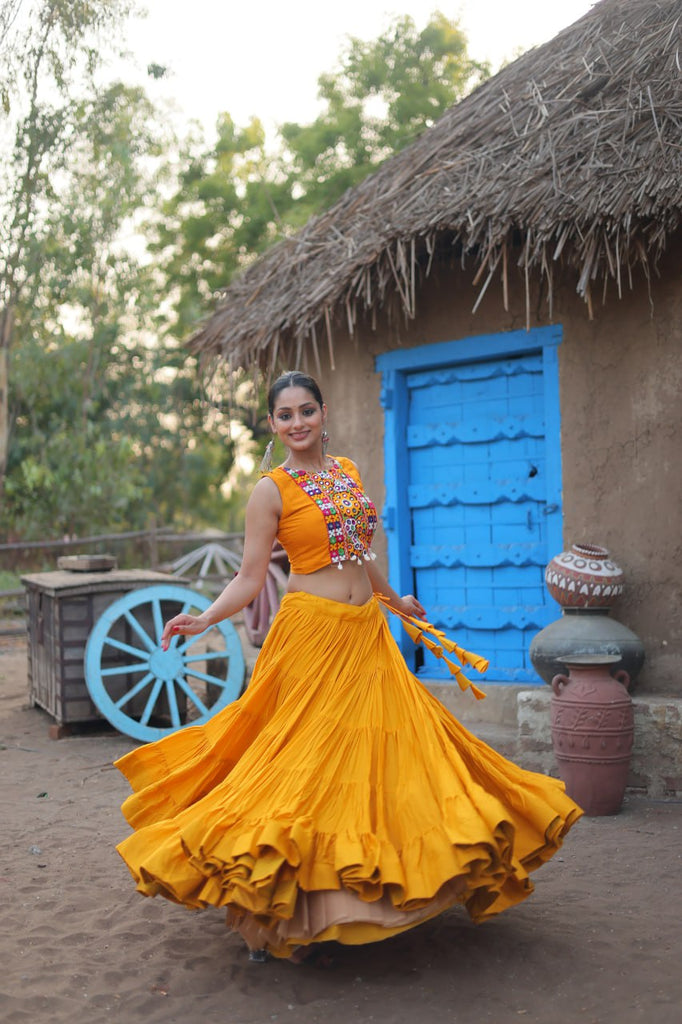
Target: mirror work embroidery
[{"x": 349, "y": 515}]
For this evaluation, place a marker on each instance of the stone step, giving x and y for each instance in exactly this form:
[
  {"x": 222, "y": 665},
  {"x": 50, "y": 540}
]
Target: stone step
[{"x": 502, "y": 738}]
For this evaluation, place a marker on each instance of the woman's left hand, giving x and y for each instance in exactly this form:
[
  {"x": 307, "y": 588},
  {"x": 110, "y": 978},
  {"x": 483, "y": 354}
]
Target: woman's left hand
[{"x": 409, "y": 605}]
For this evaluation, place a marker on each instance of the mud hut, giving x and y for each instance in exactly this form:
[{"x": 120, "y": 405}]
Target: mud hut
[{"x": 496, "y": 318}]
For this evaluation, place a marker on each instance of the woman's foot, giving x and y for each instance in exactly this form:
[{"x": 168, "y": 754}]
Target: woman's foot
[{"x": 315, "y": 955}]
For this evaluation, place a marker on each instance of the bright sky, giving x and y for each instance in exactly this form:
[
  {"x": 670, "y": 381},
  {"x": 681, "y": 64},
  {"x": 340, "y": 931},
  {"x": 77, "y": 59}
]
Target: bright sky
[{"x": 263, "y": 57}]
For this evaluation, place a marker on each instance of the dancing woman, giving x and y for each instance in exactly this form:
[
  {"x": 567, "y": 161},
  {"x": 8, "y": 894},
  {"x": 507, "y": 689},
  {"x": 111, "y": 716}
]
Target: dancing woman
[{"x": 336, "y": 799}]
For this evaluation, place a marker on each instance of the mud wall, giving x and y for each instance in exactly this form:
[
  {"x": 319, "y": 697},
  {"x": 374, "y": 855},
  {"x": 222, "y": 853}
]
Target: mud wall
[{"x": 621, "y": 415}]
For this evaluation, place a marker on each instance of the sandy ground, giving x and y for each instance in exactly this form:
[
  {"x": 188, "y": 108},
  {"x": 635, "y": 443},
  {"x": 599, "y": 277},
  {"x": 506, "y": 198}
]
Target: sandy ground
[{"x": 598, "y": 942}]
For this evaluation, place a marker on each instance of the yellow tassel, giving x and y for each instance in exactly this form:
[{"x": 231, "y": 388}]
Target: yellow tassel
[{"x": 418, "y": 630}]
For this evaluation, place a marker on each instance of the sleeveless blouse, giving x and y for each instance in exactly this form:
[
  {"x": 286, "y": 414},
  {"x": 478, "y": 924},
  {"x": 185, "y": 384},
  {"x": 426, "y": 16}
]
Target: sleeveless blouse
[{"x": 327, "y": 519}]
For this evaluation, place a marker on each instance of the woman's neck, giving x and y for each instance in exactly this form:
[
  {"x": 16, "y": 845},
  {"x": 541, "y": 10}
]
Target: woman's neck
[{"x": 314, "y": 463}]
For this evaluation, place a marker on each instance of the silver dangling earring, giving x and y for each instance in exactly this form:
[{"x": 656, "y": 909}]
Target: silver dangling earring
[
  {"x": 325, "y": 443},
  {"x": 266, "y": 464}
]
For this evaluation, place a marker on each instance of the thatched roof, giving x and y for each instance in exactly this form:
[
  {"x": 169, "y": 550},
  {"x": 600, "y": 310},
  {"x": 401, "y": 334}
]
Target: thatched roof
[{"x": 571, "y": 156}]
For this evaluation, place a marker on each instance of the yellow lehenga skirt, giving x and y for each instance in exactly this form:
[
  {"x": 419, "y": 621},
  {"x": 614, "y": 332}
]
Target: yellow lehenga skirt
[{"x": 337, "y": 798}]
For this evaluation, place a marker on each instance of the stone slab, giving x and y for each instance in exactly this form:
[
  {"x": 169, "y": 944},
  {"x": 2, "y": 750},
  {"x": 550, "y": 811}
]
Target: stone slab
[{"x": 656, "y": 765}]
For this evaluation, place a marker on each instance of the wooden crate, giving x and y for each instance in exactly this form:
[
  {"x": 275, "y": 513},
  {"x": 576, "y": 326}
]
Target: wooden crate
[{"x": 62, "y": 608}]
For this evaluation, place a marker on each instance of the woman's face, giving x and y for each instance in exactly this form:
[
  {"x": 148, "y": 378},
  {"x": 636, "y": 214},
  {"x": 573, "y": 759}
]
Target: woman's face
[{"x": 298, "y": 419}]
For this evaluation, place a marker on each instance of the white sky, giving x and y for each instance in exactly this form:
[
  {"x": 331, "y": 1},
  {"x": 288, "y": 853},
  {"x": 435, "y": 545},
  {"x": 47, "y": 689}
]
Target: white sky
[{"x": 263, "y": 57}]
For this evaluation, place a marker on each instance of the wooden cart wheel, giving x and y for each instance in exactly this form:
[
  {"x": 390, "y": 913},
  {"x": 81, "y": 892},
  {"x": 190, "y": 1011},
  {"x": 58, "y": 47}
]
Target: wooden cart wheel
[{"x": 146, "y": 692}]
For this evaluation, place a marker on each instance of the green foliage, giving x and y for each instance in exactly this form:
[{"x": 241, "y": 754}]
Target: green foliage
[
  {"x": 9, "y": 580},
  {"x": 49, "y": 49},
  {"x": 116, "y": 241},
  {"x": 235, "y": 199},
  {"x": 223, "y": 212},
  {"x": 107, "y": 424},
  {"x": 385, "y": 93},
  {"x": 97, "y": 452}
]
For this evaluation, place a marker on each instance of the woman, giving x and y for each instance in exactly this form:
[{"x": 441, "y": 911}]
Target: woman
[{"x": 336, "y": 799}]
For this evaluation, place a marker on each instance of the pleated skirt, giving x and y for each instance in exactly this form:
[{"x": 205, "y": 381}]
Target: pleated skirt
[{"x": 337, "y": 798}]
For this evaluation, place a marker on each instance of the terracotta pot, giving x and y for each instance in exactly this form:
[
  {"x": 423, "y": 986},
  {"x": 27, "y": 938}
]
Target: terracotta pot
[
  {"x": 584, "y": 577},
  {"x": 592, "y": 733}
]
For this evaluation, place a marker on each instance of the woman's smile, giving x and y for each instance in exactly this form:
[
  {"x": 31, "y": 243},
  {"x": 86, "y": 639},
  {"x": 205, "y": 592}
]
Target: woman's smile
[{"x": 298, "y": 420}]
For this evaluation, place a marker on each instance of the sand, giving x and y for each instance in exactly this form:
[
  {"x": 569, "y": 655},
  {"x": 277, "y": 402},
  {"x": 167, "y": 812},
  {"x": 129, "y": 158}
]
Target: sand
[{"x": 598, "y": 942}]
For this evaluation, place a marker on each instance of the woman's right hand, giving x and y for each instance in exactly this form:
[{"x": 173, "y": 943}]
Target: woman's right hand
[{"x": 185, "y": 625}]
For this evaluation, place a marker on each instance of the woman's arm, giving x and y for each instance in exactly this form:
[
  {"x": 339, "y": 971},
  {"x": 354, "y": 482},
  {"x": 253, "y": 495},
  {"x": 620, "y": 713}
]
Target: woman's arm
[
  {"x": 262, "y": 518},
  {"x": 408, "y": 605}
]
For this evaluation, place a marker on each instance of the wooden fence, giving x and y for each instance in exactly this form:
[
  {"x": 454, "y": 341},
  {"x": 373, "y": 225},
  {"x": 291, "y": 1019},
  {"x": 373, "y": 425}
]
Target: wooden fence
[{"x": 154, "y": 548}]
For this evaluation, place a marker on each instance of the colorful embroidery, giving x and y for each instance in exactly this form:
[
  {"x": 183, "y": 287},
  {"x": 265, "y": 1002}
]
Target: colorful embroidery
[{"x": 349, "y": 515}]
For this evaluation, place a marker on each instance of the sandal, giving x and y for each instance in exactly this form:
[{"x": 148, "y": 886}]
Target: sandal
[{"x": 259, "y": 956}]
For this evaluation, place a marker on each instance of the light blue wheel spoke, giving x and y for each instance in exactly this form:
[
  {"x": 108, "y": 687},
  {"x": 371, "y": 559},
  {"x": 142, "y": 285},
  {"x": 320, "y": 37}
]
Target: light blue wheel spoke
[
  {"x": 126, "y": 648},
  {"x": 173, "y": 704},
  {"x": 142, "y": 633},
  {"x": 182, "y": 683},
  {"x": 189, "y": 641},
  {"x": 135, "y": 690},
  {"x": 205, "y": 677},
  {"x": 151, "y": 703},
  {"x": 207, "y": 656},
  {"x": 124, "y": 670}
]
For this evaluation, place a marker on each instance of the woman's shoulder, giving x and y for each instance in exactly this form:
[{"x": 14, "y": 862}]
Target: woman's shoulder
[
  {"x": 266, "y": 488},
  {"x": 277, "y": 485}
]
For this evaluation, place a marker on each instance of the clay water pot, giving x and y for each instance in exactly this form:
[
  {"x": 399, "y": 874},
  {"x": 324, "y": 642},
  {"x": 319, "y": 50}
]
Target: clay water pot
[
  {"x": 585, "y": 633},
  {"x": 592, "y": 732},
  {"x": 585, "y": 576}
]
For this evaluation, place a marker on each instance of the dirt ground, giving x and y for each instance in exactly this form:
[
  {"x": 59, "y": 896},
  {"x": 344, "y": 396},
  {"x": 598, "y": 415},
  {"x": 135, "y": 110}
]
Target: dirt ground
[{"x": 598, "y": 942}]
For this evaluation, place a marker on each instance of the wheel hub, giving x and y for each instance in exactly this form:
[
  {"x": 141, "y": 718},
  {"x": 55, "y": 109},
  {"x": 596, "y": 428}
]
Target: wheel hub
[{"x": 166, "y": 665}]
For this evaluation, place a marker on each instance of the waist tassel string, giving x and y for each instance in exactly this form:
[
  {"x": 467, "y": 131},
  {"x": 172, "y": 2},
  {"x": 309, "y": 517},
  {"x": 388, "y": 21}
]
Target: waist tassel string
[{"x": 421, "y": 632}]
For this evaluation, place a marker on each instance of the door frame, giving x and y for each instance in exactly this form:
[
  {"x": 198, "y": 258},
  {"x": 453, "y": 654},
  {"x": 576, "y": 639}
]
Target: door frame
[{"x": 395, "y": 366}]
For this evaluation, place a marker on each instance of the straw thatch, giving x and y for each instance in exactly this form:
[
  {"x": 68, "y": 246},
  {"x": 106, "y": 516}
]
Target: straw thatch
[{"x": 570, "y": 157}]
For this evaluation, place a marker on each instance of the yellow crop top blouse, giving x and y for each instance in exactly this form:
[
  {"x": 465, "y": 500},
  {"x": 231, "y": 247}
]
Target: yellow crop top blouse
[{"x": 327, "y": 518}]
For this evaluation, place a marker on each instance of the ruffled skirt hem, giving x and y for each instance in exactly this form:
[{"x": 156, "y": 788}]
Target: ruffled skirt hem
[{"x": 337, "y": 798}]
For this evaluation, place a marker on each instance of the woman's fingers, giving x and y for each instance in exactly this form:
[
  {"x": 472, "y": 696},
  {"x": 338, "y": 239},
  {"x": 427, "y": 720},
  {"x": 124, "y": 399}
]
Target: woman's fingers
[
  {"x": 183, "y": 624},
  {"x": 414, "y": 607}
]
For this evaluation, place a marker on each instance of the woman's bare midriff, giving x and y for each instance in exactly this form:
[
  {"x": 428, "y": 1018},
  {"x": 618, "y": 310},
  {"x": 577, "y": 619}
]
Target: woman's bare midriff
[{"x": 349, "y": 584}]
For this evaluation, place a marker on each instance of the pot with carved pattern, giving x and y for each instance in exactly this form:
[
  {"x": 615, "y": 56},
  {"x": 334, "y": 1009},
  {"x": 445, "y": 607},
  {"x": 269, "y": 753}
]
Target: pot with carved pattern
[
  {"x": 593, "y": 731},
  {"x": 585, "y": 576},
  {"x": 585, "y": 581}
]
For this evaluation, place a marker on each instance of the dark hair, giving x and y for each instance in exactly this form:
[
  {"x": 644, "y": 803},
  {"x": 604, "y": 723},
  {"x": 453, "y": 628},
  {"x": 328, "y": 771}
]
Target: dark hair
[{"x": 294, "y": 379}]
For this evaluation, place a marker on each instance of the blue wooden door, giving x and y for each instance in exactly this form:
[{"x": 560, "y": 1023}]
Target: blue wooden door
[{"x": 479, "y": 510}]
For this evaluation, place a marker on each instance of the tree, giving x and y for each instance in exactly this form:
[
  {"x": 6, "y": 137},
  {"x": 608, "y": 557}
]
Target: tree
[
  {"x": 236, "y": 198},
  {"x": 101, "y": 454},
  {"x": 47, "y": 46},
  {"x": 224, "y": 211},
  {"x": 109, "y": 423},
  {"x": 109, "y": 417},
  {"x": 80, "y": 293},
  {"x": 385, "y": 93}
]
